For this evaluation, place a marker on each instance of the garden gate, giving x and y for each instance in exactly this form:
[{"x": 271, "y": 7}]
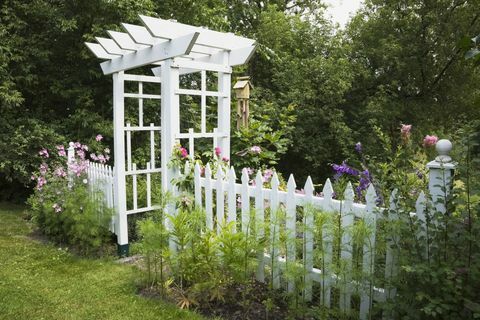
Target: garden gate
[{"x": 175, "y": 50}]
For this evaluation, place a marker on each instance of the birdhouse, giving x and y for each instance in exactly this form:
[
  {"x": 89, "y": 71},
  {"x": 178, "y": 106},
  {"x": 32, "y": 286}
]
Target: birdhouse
[
  {"x": 242, "y": 92},
  {"x": 242, "y": 88}
]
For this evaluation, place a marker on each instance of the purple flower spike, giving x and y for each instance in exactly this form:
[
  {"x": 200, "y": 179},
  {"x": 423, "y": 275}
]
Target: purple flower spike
[{"x": 343, "y": 168}]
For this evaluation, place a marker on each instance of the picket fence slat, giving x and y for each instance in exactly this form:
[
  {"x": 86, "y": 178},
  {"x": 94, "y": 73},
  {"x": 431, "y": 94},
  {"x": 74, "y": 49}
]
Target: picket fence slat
[
  {"x": 274, "y": 232},
  {"x": 368, "y": 252},
  {"x": 327, "y": 239},
  {"x": 291, "y": 233},
  {"x": 245, "y": 200},
  {"x": 308, "y": 239},
  {"x": 259, "y": 223},
  {"x": 347, "y": 220},
  {"x": 232, "y": 199},
  {"x": 208, "y": 197},
  {"x": 220, "y": 200}
]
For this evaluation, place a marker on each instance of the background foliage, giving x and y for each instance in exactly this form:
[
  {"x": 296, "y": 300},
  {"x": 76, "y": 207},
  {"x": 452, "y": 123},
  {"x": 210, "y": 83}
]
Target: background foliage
[{"x": 320, "y": 88}]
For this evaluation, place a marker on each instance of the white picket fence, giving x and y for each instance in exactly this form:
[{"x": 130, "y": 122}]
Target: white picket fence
[
  {"x": 101, "y": 180},
  {"x": 255, "y": 198},
  {"x": 224, "y": 201}
]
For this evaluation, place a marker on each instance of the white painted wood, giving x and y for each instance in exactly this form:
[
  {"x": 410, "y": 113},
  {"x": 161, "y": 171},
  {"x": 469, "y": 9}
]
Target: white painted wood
[
  {"x": 191, "y": 144},
  {"x": 223, "y": 120},
  {"x": 215, "y": 134},
  {"x": 232, "y": 199},
  {"x": 308, "y": 239},
  {"x": 192, "y": 92},
  {"x": 143, "y": 171},
  {"x": 198, "y": 65},
  {"x": 220, "y": 200},
  {"x": 152, "y": 145},
  {"x": 420, "y": 206},
  {"x": 119, "y": 154},
  {"x": 245, "y": 198},
  {"x": 208, "y": 197},
  {"x": 149, "y": 186},
  {"x": 215, "y": 141},
  {"x": 291, "y": 232},
  {"x": 203, "y": 102},
  {"x": 147, "y": 128},
  {"x": 143, "y": 96},
  {"x": 347, "y": 221},
  {"x": 274, "y": 231},
  {"x": 168, "y": 30},
  {"x": 141, "y": 35},
  {"x": 237, "y": 57},
  {"x": 391, "y": 258},
  {"x": 198, "y": 187},
  {"x": 111, "y": 46},
  {"x": 142, "y": 78},
  {"x": 157, "y": 52},
  {"x": 134, "y": 188},
  {"x": 368, "y": 252},
  {"x": 327, "y": 248},
  {"x": 140, "y": 105},
  {"x": 170, "y": 118},
  {"x": 259, "y": 224},
  {"x": 146, "y": 209},
  {"x": 99, "y": 51},
  {"x": 124, "y": 40},
  {"x": 129, "y": 146}
]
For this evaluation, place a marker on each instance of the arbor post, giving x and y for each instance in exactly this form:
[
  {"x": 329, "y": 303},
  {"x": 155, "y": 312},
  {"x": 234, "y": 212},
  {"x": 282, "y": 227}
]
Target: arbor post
[{"x": 441, "y": 171}]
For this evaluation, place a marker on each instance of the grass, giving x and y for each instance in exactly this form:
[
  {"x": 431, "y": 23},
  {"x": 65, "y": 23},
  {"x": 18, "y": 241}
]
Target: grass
[{"x": 42, "y": 281}]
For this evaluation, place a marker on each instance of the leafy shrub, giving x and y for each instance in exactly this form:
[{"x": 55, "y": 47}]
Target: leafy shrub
[{"x": 65, "y": 207}]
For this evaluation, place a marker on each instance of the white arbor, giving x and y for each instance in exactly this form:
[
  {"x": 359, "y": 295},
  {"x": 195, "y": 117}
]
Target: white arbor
[{"x": 172, "y": 49}]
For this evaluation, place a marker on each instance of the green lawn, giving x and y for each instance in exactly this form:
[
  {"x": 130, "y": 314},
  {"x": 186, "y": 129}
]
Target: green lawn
[{"x": 41, "y": 281}]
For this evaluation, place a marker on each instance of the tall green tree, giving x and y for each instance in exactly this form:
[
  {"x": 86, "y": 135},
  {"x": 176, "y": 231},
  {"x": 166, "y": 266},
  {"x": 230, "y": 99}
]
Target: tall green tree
[{"x": 409, "y": 66}]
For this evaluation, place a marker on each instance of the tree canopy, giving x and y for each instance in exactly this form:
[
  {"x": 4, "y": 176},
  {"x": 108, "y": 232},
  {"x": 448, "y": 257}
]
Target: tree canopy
[{"x": 321, "y": 87}]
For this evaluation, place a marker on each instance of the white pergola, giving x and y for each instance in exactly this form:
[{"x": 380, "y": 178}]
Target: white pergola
[{"x": 172, "y": 49}]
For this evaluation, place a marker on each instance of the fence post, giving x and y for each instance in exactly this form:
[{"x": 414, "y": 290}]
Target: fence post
[
  {"x": 441, "y": 175},
  {"x": 70, "y": 159}
]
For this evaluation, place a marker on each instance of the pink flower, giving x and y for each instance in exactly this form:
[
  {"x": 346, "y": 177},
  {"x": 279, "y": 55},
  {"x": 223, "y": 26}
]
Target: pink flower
[
  {"x": 256, "y": 149},
  {"x": 41, "y": 182},
  {"x": 61, "y": 151},
  {"x": 81, "y": 154},
  {"x": 267, "y": 175},
  {"x": 183, "y": 152},
  {"x": 84, "y": 147},
  {"x": 99, "y": 137},
  {"x": 405, "y": 130},
  {"x": 429, "y": 141},
  {"x": 225, "y": 159},
  {"x": 43, "y": 153},
  {"x": 94, "y": 157},
  {"x": 33, "y": 177},
  {"x": 59, "y": 172},
  {"x": 43, "y": 169},
  {"x": 218, "y": 151},
  {"x": 78, "y": 167},
  {"x": 249, "y": 171},
  {"x": 57, "y": 207},
  {"x": 101, "y": 158},
  {"x": 77, "y": 145}
]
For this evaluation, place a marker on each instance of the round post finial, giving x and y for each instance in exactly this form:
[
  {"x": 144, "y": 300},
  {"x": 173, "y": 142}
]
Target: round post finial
[{"x": 443, "y": 148}]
